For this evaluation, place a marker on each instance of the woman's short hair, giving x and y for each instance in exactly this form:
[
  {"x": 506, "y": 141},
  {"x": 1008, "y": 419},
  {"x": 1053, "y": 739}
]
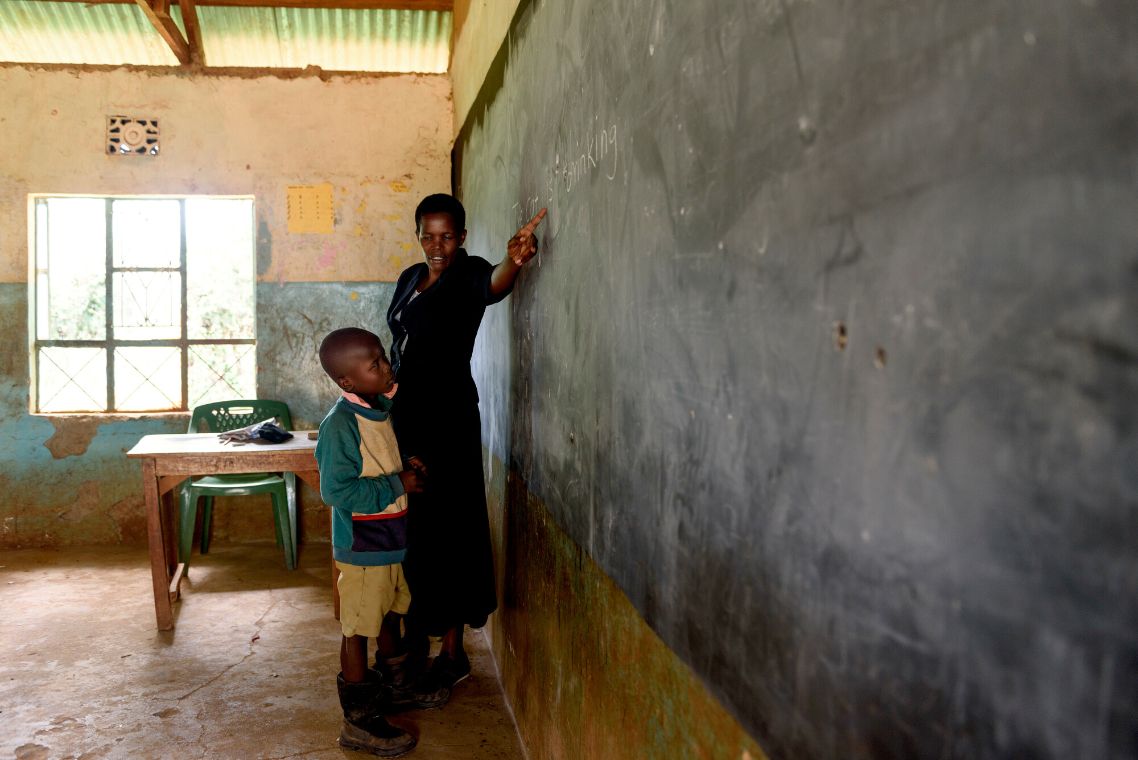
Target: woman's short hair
[{"x": 441, "y": 203}]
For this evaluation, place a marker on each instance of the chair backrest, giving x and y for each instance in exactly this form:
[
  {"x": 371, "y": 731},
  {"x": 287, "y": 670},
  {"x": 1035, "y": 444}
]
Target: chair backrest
[{"x": 221, "y": 416}]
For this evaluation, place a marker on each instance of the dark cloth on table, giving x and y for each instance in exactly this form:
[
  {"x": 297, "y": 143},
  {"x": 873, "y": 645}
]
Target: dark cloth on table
[{"x": 449, "y": 564}]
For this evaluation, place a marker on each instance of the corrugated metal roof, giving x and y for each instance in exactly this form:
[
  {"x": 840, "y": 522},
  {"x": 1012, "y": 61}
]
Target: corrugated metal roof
[
  {"x": 334, "y": 39},
  {"x": 34, "y": 31},
  {"x": 41, "y": 32}
]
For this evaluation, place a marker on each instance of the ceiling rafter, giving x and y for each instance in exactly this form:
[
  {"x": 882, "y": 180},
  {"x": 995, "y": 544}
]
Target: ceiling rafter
[
  {"x": 158, "y": 11},
  {"x": 390, "y": 5},
  {"x": 193, "y": 31}
]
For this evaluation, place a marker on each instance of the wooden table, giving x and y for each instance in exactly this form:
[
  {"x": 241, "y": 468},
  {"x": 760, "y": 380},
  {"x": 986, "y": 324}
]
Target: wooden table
[{"x": 167, "y": 460}]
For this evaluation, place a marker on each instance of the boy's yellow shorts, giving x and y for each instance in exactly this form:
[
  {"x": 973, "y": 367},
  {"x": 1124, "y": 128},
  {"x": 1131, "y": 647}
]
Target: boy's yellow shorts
[{"x": 369, "y": 593}]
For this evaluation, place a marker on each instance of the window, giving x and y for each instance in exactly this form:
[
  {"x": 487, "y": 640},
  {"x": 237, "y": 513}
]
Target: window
[{"x": 141, "y": 304}]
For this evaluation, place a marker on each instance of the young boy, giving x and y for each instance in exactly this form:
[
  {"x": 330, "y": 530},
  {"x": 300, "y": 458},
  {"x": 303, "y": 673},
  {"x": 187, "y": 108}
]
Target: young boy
[{"x": 364, "y": 481}]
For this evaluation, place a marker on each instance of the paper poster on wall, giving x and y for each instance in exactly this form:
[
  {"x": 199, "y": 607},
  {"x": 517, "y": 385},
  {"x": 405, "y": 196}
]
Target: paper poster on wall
[{"x": 310, "y": 208}]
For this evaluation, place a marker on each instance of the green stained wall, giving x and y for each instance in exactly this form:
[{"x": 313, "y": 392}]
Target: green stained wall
[{"x": 585, "y": 675}]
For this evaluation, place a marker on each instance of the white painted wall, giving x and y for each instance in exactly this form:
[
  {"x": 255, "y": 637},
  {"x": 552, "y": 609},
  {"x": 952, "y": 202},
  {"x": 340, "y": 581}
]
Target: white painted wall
[{"x": 382, "y": 141}]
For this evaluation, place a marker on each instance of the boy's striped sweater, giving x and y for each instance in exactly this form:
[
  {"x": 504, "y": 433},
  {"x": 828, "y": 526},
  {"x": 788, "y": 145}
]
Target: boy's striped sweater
[{"x": 359, "y": 478}]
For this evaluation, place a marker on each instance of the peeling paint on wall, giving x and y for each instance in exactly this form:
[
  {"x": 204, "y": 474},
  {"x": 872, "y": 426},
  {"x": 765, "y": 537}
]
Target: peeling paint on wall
[
  {"x": 84, "y": 506},
  {"x": 128, "y": 515},
  {"x": 72, "y": 435}
]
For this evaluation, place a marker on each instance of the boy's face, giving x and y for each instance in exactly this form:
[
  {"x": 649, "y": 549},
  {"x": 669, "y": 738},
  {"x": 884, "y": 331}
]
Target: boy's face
[
  {"x": 440, "y": 240},
  {"x": 368, "y": 371}
]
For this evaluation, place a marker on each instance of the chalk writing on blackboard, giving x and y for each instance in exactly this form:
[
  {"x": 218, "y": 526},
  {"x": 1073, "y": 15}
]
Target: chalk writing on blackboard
[{"x": 597, "y": 150}]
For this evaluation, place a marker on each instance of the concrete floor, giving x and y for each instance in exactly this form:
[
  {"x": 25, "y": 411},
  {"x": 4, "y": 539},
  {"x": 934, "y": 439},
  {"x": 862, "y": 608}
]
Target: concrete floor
[{"x": 249, "y": 670}]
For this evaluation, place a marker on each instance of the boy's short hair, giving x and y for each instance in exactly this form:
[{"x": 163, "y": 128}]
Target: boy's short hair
[
  {"x": 441, "y": 203},
  {"x": 335, "y": 346}
]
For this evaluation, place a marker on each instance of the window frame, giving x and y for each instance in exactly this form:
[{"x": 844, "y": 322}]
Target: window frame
[{"x": 109, "y": 343}]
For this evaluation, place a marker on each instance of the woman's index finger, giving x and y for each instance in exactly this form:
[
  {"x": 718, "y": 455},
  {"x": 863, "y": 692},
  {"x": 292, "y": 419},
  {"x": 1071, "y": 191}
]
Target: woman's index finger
[{"x": 531, "y": 225}]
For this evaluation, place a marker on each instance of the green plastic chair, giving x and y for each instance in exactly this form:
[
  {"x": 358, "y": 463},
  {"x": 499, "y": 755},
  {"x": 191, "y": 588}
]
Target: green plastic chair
[{"x": 220, "y": 417}]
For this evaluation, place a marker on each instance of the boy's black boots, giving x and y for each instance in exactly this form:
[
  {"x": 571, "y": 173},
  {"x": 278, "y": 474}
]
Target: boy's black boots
[{"x": 365, "y": 729}]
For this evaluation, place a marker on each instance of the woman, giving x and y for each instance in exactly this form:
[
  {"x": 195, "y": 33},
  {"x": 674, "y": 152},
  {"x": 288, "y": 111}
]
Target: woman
[{"x": 434, "y": 318}]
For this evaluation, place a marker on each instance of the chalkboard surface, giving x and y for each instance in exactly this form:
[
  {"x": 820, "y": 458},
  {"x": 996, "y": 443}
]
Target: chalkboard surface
[{"x": 830, "y": 356}]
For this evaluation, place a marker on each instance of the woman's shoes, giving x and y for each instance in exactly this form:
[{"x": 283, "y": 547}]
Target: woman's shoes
[
  {"x": 450, "y": 671},
  {"x": 423, "y": 693}
]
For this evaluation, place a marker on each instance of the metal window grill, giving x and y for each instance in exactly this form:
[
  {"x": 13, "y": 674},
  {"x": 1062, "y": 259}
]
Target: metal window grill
[{"x": 137, "y": 300}]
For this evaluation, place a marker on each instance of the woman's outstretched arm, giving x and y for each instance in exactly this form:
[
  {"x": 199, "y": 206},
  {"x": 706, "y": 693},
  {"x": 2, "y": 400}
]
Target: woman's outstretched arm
[{"x": 520, "y": 249}]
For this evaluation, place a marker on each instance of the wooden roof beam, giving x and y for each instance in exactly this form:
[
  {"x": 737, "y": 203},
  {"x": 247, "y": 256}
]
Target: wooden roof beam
[
  {"x": 193, "y": 31},
  {"x": 158, "y": 11}
]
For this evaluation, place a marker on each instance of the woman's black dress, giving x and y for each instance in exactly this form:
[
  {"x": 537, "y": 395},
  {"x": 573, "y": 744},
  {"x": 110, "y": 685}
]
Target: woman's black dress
[{"x": 449, "y": 563}]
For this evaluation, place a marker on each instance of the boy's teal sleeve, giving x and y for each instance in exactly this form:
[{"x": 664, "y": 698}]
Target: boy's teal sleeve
[{"x": 340, "y": 462}]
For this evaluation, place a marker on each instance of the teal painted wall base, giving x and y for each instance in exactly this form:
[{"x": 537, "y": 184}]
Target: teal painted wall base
[{"x": 66, "y": 479}]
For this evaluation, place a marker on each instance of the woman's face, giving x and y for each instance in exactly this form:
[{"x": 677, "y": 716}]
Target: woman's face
[{"x": 440, "y": 240}]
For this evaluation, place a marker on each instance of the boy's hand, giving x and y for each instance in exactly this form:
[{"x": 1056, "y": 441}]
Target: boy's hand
[
  {"x": 416, "y": 464},
  {"x": 412, "y": 481},
  {"x": 523, "y": 245}
]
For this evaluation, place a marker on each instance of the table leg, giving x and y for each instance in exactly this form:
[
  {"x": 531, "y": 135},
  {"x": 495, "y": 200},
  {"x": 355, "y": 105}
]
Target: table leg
[
  {"x": 169, "y": 532},
  {"x": 312, "y": 478},
  {"x": 156, "y": 540},
  {"x": 175, "y": 569}
]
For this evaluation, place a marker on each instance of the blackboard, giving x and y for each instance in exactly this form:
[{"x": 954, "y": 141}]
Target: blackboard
[{"x": 829, "y": 358}]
